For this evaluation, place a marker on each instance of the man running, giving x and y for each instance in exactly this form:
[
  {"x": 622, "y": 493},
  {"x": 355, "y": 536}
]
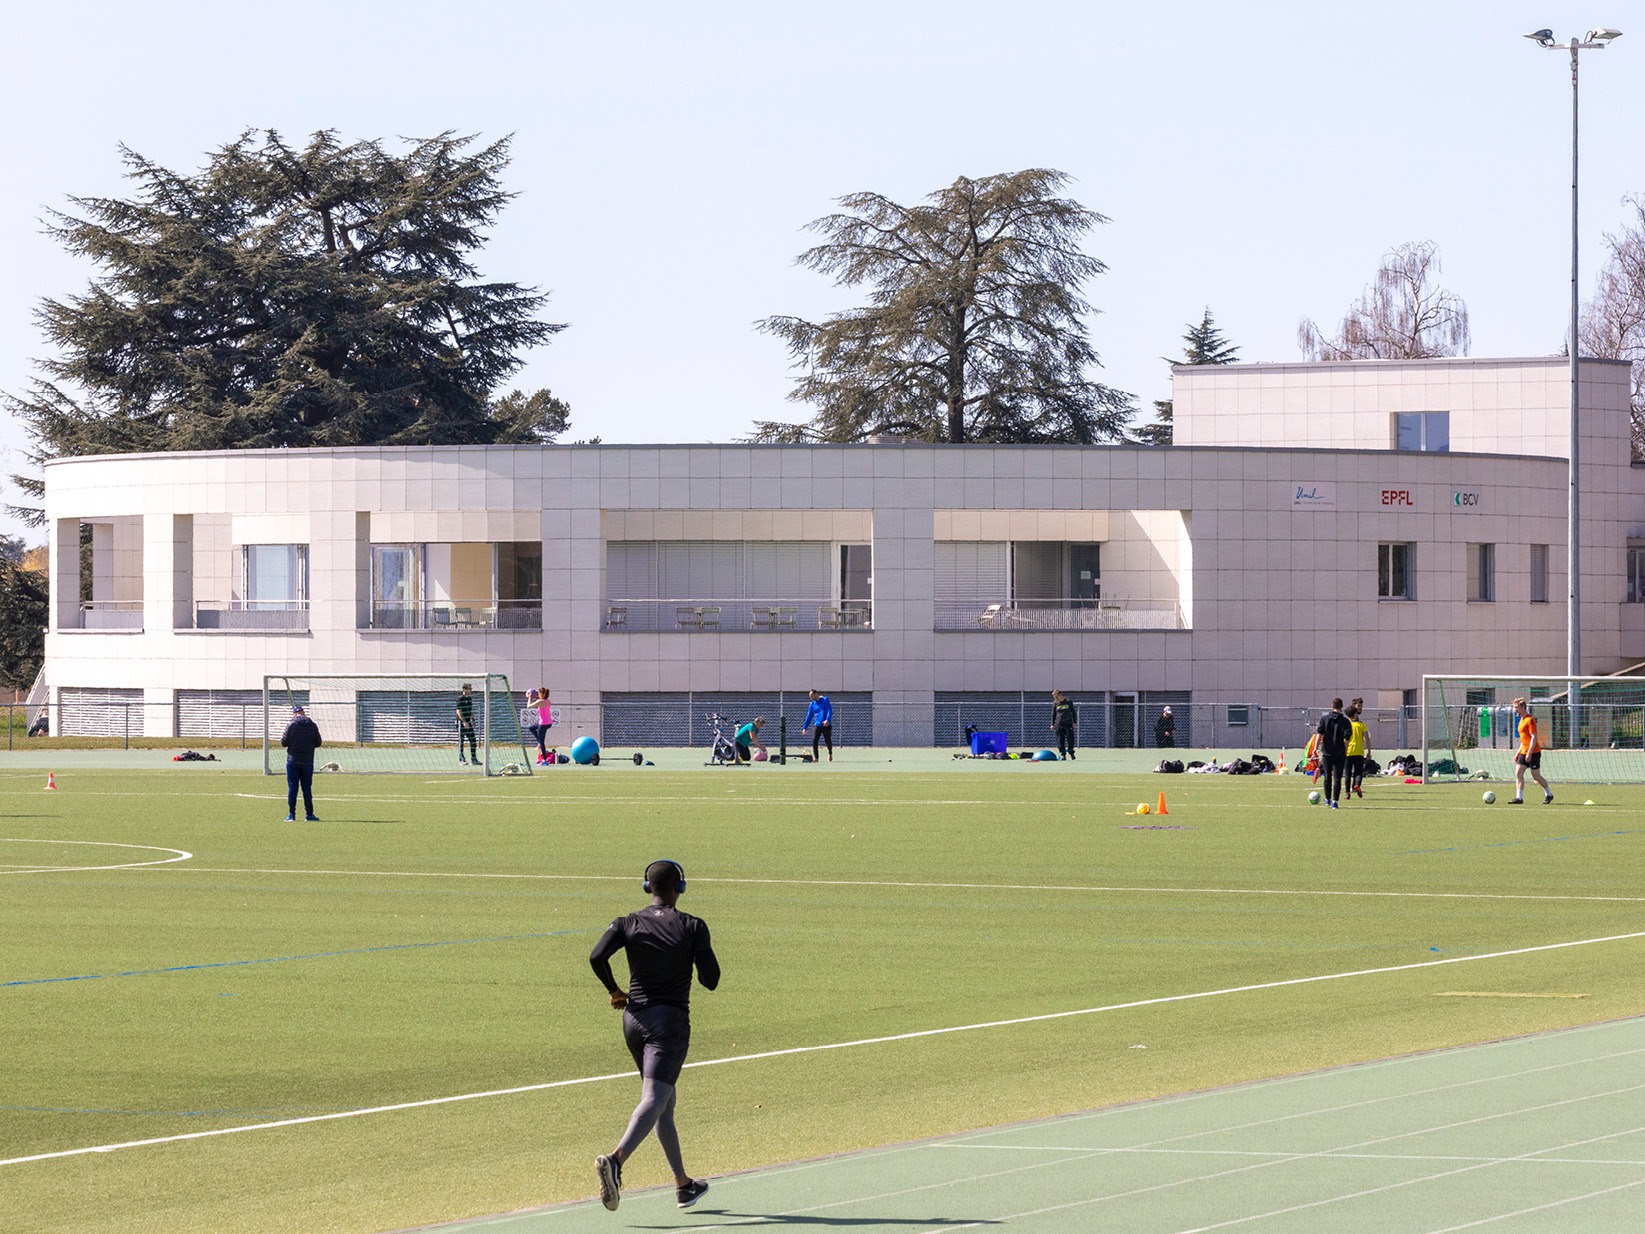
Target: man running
[
  {"x": 663, "y": 945},
  {"x": 1529, "y": 757}
]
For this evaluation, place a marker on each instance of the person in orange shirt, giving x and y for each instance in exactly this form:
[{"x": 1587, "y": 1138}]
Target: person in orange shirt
[{"x": 1529, "y": 757}]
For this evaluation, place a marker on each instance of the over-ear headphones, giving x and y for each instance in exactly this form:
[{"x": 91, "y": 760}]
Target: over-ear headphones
[{"x": 679, "y": 872}]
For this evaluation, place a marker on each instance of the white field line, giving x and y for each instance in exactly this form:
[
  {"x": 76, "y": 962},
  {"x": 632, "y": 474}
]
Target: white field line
[
  {"x": 178, "y": 855},
  {"x": 836, "y": 1045},
  {"x": 1540, "y": 1208},
  {"x": 931, "y": 886}
]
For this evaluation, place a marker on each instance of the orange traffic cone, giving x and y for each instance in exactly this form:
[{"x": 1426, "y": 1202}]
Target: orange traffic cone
[
  {"x": 1160, "y": 808},
  {"x": 51, "y": 782},
  {"x": 1280, "y": 770}
]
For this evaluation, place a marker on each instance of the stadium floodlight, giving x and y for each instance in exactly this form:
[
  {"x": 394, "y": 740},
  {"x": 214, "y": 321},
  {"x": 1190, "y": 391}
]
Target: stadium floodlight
[{"x": 1595, "y": 40}]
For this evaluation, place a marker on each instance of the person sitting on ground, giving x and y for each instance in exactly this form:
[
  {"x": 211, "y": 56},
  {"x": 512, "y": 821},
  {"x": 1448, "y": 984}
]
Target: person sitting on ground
[{"x": 748, "y": 740}]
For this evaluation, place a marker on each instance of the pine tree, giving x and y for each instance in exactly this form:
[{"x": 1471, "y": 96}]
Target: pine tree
[
  {"x": 1205, "y": 345},
  {"x": 314, "y": 296},
  {"x": 974, "y": 330}
]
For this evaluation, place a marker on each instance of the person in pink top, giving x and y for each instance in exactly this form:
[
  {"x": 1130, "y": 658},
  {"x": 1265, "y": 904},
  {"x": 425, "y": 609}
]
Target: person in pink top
[{"x": 545, "y": 721}]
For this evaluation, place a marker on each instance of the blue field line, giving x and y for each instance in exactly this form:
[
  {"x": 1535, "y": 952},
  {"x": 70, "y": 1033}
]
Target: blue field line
[
  {"x": 1470, "y": 848},
  {"x": 316, "y": 955}
]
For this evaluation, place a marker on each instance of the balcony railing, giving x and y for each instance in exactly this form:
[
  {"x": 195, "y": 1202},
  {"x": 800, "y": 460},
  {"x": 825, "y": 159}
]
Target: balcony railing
[
  {"x": 1108, "y": 613},
  {"x": 111, "y": 614},
  {"x": 457, "y": 615},
  {"x": 774, "y": 616},
  {"x": 251, "y": 614}
]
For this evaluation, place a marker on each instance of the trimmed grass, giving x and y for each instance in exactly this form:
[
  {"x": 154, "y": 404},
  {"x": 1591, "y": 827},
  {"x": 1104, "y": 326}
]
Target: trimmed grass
[{"x": 429, "y": 939}]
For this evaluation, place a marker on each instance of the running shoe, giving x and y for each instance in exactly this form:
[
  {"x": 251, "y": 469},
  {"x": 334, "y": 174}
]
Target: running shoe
[
  {"x": 610, "y": 1171},
  {"x": 686, "y": 1196}
]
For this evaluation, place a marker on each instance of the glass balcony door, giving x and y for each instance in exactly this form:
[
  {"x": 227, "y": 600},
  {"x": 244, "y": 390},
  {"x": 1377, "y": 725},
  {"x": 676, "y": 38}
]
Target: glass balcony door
[{"x": 396, "y": 586}]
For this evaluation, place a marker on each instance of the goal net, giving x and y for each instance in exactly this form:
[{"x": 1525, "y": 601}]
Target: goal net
[
  {"x": 1592, "y": 729},
  {"x": 399, "y": 722}
]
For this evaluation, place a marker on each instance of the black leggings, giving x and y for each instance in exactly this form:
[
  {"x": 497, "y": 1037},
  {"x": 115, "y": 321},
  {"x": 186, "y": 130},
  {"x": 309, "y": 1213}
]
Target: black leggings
[
  {"x": 1065, "y": 740},
  {"x": 825, "y": 734}
]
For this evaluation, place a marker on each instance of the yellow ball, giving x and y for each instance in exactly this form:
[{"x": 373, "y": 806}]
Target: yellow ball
[{"x": 1142, "y": 807}]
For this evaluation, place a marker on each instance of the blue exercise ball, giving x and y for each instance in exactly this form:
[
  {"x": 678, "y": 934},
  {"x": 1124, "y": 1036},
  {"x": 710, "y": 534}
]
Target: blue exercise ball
[{"x": 585, "y": 750}]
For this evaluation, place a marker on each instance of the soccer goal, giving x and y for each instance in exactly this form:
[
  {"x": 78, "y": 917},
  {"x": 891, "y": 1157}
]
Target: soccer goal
[
  {"x": 399, "y": 722},
  {"x": 1592, "y": 729}
]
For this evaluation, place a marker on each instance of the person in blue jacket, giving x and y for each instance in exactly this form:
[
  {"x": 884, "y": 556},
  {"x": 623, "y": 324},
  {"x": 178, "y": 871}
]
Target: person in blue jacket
[{"x": 820, "y": 717}]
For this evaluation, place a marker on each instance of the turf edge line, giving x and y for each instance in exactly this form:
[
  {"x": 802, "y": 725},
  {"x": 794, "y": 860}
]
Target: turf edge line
[{"x": 813, "y": 1049}]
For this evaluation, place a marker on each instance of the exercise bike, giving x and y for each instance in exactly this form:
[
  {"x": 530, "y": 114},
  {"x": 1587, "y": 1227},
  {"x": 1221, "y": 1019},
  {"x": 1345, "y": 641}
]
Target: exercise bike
[{"x": 724, "y": 753}]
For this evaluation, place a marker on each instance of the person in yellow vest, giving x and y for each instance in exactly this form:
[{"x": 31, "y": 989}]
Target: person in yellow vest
[
  {"x": 1529, "y": 757},
  {"x": 1359, "y": 748}
]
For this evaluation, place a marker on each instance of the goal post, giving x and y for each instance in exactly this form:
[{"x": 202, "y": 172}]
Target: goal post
[
  {"x": 398, "y": 722},
  {"x": 1592, "y": 729}
]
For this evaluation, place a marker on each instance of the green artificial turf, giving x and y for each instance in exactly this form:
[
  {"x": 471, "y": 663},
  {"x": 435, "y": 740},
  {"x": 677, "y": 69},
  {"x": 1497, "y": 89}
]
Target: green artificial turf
[{"x": 429, "y": 939}]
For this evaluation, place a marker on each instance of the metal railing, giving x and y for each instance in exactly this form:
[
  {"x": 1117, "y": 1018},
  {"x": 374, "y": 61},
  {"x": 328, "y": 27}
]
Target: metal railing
[
  {"x": 251, "y": 614},
  {"x": 487, "y": 614},
  {"x": 1107, "y": 613},
  {"x": 774, "y": 615},
  {"x": 111, "y": 614}
]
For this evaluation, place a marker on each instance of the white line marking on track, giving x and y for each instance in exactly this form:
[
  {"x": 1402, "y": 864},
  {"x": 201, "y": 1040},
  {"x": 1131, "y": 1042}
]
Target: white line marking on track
[
  {"x": 178, "y": 855},
  {"x": 835, "y": 1045},
  {"x": 1148, "y": 1151},
  {"x": 1540, "y": 1208}
]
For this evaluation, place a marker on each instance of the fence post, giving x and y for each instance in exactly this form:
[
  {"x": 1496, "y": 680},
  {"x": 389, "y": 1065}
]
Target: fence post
[{"x": 126, "y": 707}]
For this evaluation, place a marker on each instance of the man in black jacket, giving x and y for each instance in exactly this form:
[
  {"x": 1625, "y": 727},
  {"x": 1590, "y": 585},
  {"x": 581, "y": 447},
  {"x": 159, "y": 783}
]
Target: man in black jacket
[
  {"x": 1335, "y": 730},
  {"x": 1063, "y": 720},
  {"x": 663, "y": 946},
  {"x": 301, "y": 739}
]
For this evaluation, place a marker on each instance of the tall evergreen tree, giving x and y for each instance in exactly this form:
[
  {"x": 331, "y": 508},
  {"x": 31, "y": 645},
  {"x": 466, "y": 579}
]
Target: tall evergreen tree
[
  {"x": 24, "y": 614},
  {"x": 284, "y": 296},
  {"x": 1205, "y": 345},
  {"x": 974, "y": 330}
]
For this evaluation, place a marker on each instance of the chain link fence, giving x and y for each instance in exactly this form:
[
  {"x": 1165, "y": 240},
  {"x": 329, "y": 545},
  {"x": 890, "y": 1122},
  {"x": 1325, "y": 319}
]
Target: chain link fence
[{"x": 686, "y": 719}]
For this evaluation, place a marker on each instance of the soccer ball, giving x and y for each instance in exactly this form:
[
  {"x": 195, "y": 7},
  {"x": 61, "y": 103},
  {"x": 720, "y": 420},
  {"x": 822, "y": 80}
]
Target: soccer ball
[
  {"x": 1314, "y": 798},
  {"x": 1490, "y": 797},
  {"x": 1142, "y": 807}
]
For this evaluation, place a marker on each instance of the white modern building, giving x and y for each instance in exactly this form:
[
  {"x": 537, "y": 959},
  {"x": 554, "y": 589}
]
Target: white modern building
[{"x": 1318, "y": 529}]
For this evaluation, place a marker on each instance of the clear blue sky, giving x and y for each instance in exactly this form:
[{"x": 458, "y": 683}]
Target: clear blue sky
[{"x": 1256, "y": 159}]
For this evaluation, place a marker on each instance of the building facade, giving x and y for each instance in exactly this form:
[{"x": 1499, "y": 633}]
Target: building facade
[{"x": 1318, "y": 529}]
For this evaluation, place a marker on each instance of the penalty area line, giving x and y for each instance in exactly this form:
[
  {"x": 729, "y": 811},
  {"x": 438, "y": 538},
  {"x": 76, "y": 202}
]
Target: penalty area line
[{"x": 1163, "y": 1000}]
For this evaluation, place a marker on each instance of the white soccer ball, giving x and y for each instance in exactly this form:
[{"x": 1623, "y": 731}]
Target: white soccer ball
[
  {"x": 1314, "y": 798},
  {"x": 1490, "y": 797}
]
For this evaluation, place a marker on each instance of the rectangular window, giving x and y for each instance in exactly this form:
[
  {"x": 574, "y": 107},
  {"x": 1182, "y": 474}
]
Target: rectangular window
[
  {"x": 1239, "y": 716},
  {"x": 1394, "y": 572},
  {"x": 275, "y": 575},
  {"x": 1482, "y": 573},
  {"x": 1539, "y": 574},
  {"x": 1636, "y": 574},
  {"x": 1423, "y": 430}
]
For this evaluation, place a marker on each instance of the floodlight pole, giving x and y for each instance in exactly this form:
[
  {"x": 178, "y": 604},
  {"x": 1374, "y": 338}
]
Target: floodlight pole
[{"x": 1594, "y": 40}]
